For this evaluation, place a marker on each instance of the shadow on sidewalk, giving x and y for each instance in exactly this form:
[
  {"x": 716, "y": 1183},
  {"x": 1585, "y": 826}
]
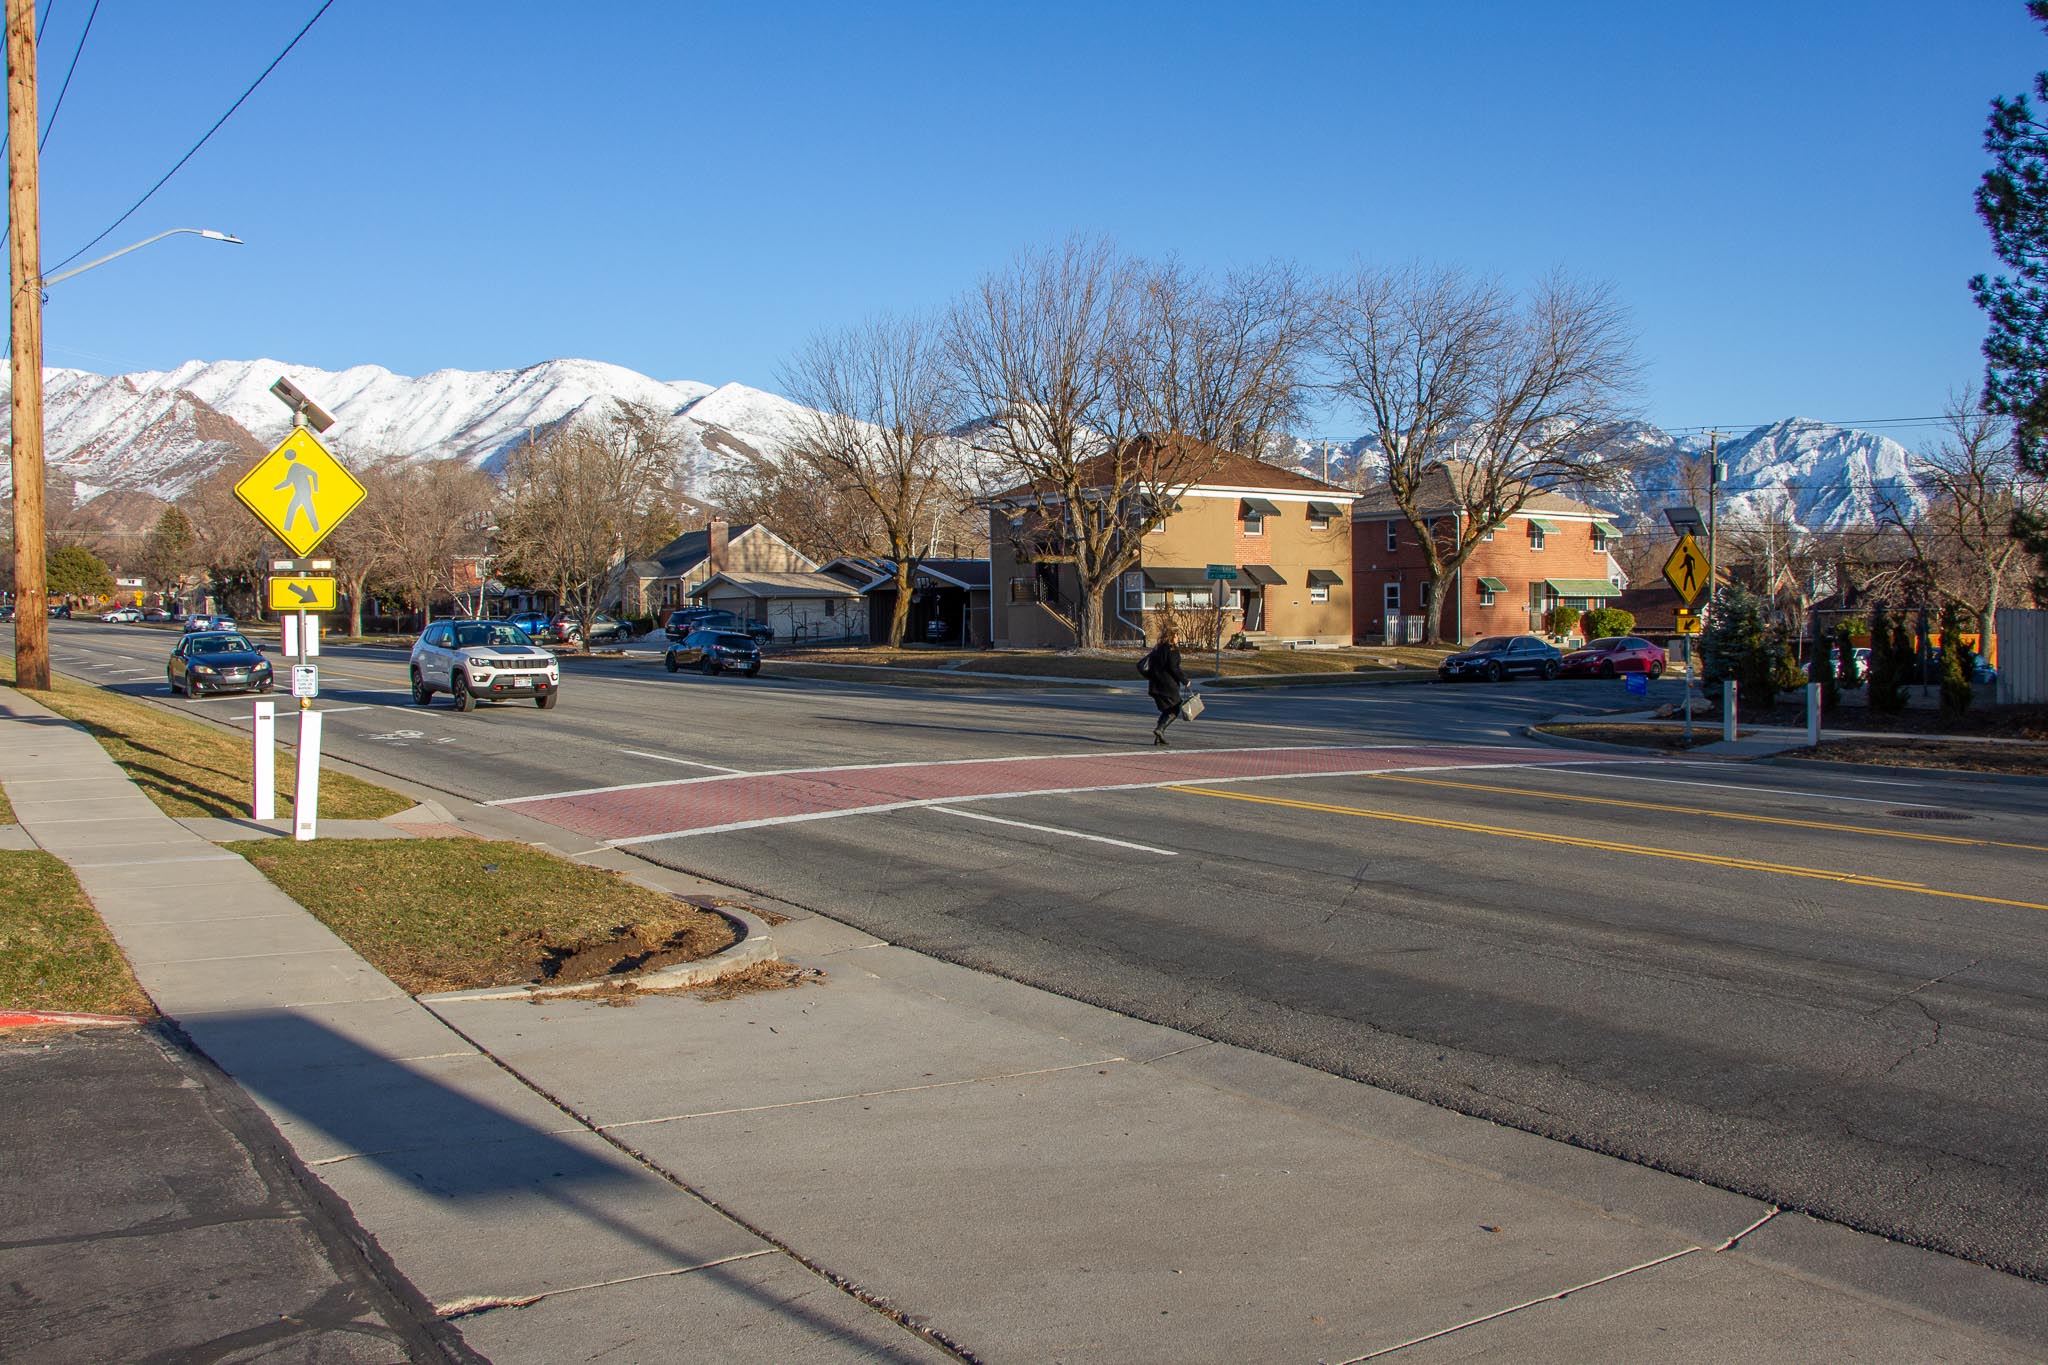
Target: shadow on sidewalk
[{"x": 498, "y": 1176}]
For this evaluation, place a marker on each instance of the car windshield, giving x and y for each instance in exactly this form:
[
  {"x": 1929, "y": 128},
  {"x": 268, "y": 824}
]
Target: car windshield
[
  {"x": 1493, "y": 642},
  {"x": 221, "y": 644},
  {"x": 1611, "y": 642},
  {"x": 732, "y": 641},
  {"x": 494, "y": 635}
]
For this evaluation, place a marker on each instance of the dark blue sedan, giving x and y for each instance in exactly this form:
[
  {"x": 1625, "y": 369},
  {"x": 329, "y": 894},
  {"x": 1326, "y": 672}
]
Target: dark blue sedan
[{"x": 217, "y": 661}]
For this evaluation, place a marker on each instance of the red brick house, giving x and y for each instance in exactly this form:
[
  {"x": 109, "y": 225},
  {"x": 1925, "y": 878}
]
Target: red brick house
[{"x": 1554, "y": 552}]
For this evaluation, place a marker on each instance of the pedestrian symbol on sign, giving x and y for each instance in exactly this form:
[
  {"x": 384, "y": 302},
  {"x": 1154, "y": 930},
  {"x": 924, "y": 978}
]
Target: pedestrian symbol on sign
[{"x": 303, "y": 483}]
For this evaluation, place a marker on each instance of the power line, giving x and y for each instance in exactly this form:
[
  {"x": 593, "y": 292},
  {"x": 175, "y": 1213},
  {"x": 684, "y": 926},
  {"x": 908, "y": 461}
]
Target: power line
[
  {"x": 44, "y": 141},
  {"x": 325, "y": 6}
]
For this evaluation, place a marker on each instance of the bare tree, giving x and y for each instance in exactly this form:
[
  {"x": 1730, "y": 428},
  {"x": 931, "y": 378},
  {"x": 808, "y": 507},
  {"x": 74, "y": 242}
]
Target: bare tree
[
  {"x": 363, "y": 546},
  {"x": 879, "y": 406},
  {"x": 167, "y": 552},
  {"x": 229, "y": 544},
  {"x": 1112, "y": 387},
  {"x": 1964, "y": 541},
  {"x": 1515, "y": 395},
  {"x": 428, "y": 515},
  {"x": 1792, "y": 568},
  {"x": 586, "y": 496}
]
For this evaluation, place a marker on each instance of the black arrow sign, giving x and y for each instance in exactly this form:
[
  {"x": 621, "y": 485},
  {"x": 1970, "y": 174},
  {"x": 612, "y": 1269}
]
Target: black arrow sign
[{"x": 302, "y": 592}]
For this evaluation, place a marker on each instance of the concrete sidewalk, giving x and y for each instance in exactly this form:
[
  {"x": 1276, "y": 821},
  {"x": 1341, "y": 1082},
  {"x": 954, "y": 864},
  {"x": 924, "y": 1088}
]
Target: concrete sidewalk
[{"x": 909, "y": 1160}]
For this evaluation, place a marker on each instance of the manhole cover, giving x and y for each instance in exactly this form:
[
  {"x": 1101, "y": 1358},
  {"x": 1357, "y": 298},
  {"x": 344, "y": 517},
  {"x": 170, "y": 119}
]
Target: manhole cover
[{"x": 1927, "y": 813}]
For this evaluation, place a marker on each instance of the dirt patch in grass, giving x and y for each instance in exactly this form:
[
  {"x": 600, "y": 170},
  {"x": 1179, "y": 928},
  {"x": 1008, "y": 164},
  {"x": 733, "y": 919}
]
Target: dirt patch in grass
[
  {"x": 772, "y": 975},
  {"x": 2024, "y": 760},
  {"x": 451, "y": 914},
  {"x": 190, "y": 769},
  {"x": 55, "y": 954},
  {"x": 1640, "y": 736},
  {"x": 1991, "y": 722}
]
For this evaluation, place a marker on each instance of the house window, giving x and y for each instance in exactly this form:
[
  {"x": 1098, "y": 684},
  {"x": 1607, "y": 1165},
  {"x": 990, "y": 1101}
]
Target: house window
[
  {"x": 1599, "y": 541},
  {"x": 1535, "y": 536},
  {"x": 1318, "y": 522},
  {"x": 1391, "y": 597},
  {"x": 1393, "y": 536},
  {"x": 1318, "y": 594},
  {"x": 831, "y": 607},
  {"x": 1254, "y": 523},
  {"x": 1487, "y": 536},
  {"x": 1485, "y": 596},
  {"x": 1156, "y": 527}
]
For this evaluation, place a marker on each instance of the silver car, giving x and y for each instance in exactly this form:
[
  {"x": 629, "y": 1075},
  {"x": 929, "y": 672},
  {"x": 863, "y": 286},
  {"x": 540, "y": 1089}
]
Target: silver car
[{"x": 475, "y": 661}]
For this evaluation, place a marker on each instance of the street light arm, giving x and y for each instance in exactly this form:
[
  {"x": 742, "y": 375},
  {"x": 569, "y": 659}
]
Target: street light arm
[{"x": 208, "y": 233}]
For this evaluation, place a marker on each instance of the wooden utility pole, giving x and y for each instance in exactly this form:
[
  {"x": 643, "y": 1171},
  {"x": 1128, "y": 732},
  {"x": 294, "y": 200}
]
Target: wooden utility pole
[{"x": 25, "y": 261}]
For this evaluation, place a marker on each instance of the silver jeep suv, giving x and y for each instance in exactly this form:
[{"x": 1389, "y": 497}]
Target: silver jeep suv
[{"x": 477, "y": 661}]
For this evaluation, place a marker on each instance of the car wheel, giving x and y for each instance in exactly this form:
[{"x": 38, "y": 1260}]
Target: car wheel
[
  {"x": 170, "y": 684},
  {"x": 1656, "y": 672},
  {"x": 754, "y": 670},
  {"x": 264, "y": 686},
  {"x": 710, "y": 666},
  {"x": 546, "y": 700},
  {"x": 1549, "y": 670},
  {"x": 1494, "y": 672},
  {"x": 669, "y": 660},
  {"x": 191, "y": 687},
  {"x": 421, "y": 693},
  {"x": 459, "y": 686},
  {"x": 1607, "y": 668}
]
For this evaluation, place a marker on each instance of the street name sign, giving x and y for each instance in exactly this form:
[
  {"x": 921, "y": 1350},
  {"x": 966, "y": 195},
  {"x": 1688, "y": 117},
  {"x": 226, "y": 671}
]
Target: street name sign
[
  {"x": 302, "y": 592},
  {"x": 300, "y": 491},
  {"x": 1686, "y": 571},
  {"x": 1223, "y": 573},
  {"x": 305, "y": 680}
]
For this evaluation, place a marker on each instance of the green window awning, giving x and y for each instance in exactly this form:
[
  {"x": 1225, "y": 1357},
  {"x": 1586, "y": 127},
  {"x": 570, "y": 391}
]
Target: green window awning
[
  {"x": 1259, "y": 507},
  {"x": 1548, "y": 528},
  {"x": 1606, "y": 528},
  {"x": 1581, "y": 587},
  {"x": 1492, "y": 584}
]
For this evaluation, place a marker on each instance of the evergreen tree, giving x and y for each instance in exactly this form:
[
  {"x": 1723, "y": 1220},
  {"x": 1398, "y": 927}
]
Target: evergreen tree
[
  {"x": 74, "y": 571},
  {"x": 1886, "y": 692},
  {"x": 2012, "y": 199},
  {"x": 1848, "y": 674},
  {"x": 1955, "y": 669},
  {"x": 1821, "y": 669},
  {"x": 168, "y": 552}
]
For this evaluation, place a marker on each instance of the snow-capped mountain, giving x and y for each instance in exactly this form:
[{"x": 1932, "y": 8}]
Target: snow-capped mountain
[
  {"x": 162, "y": 432},
  {"x": 1826, "y": 477}
]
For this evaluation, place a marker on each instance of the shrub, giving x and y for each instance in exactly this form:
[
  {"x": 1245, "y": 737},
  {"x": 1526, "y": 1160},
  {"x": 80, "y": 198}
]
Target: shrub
[
  {"x": 1848, "y": 673},
  {"x": 1733, "y": 640},
  {"x": 1561, "y": 620},
  {"x": 1955, "y": 668},
  {"x": 1604, "y": 621},
  {"x": 1822, "y": 670}
]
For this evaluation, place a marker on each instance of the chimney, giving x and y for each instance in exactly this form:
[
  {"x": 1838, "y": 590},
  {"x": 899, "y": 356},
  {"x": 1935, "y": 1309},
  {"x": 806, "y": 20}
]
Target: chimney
[{"x": 715, "y": 533}]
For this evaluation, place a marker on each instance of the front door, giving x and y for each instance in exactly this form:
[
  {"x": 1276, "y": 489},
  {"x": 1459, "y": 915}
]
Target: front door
[{"x": 1254, "y": 601}]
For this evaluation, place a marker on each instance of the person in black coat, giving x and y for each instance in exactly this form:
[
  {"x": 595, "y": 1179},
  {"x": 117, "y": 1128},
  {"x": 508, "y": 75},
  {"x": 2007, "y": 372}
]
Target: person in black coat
[{"x": 1165, "y": 683}]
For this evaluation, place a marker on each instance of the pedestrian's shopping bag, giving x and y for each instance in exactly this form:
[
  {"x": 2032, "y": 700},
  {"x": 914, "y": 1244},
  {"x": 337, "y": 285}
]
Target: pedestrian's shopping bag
[{"x": 1190, "y": 705}]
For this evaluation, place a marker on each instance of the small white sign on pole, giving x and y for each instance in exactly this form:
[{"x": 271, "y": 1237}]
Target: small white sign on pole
[
  {"x": 263, "y": 800},
  {"x": 306, "y": 800},
  {"x": 305, "y": 680}
]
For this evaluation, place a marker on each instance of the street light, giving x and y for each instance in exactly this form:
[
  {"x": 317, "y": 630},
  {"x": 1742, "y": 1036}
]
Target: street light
[{"x": 207, "y": 233}]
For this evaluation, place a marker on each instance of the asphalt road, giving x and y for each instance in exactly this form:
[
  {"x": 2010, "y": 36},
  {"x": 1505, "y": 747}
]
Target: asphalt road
[{"x": 1829, "y": 990}]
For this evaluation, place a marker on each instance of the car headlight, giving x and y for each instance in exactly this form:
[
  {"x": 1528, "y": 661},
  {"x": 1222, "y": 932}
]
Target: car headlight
[
  {"x": 262, "y": 666},
  {"x": 201, "y": 668}
]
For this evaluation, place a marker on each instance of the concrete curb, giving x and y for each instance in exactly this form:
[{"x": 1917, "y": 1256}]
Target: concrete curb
[
  {"x": 757, "y": 945},
  {"x": 1530, "y": 732},
  {"x": 1925, "y": 774},
  {"x": 1262, "y": 682}
]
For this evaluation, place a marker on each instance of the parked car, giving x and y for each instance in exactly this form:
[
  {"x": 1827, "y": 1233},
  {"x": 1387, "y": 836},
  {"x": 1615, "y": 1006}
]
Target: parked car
[
  {"x": 1502, "y": 656},
  {"x": 532, "y": 622},
  {"x": 715, "y": 618},
  {"x": 475, "y": 661},
  {"x": 216, "y": 661},
  {"x": 157, "y": 614},
  {"x": 714, "y": 651},
  {"x": 1613, "y": 654},
  {"x": 199, "y": 622},
  {"x": 1984, "y": 675},
  {"x": 124, "y": 615},
  {"x": 683, "y": 620},
  {"x": 565, "y": 629}
]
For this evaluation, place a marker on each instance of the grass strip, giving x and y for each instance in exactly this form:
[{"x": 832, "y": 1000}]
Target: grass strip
[
  {"x": 450, "y": 914},
  {"x": 191, "y": 769},
  {"x": 6, "y": 811},
  {"x": 54, "y": 952}
]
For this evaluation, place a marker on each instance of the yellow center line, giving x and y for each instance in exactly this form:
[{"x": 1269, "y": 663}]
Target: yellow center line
[
  {"x": 1547, "y": 795},
  {"x": 1612, "y": 846}
]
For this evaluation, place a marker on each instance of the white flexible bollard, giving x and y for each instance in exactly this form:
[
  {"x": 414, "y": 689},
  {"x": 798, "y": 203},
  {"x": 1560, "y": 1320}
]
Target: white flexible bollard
[
  {"x": 1813, "y": 715},
  {"x": 263, "y": 799},
  {"x": 1728, "y": 711}
]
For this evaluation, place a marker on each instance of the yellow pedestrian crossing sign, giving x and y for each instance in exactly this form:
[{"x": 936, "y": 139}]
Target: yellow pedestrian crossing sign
[
  {"x": 1686, "y": 571},
  {"x": 300, "y": 492}
]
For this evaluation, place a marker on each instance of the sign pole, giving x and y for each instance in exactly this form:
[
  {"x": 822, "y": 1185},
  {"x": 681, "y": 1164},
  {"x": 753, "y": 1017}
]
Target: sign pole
[
  {"x": 1216, "y": 596},
  {"x": 305, "y": 809}
]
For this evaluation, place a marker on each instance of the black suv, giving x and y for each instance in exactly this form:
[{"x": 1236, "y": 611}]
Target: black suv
[
  {"x": 714, "y": 651},
  {"x": 682, "y": 623},
  {"x": 1502, "y": 656}
]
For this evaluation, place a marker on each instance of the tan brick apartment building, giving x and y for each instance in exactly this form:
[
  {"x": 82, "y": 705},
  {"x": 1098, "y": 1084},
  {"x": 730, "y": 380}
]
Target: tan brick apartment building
[
  {"x": 1288, "y": 535},
  {"x": 1553, "y": 552}
]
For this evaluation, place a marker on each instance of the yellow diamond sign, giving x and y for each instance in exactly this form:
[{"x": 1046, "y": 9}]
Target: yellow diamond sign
[
  {"x": 300, "y": 492},
  {"x": 1686, "y": 571}
]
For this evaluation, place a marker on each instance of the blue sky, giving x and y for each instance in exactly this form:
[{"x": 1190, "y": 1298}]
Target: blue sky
[{"x": 1779, "y": 192}]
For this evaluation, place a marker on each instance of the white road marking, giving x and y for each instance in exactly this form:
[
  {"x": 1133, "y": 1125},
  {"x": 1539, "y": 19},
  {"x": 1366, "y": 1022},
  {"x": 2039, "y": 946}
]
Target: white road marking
[
  {"x": 337, "y": 710},
  {"x": 688, "y": 762},
  {"x": 1726, "y": 786},
  {"x": 1052, "y": 829}
]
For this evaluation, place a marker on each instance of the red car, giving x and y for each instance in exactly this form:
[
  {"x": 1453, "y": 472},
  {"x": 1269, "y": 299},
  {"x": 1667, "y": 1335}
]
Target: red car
[{"x": 1612, "y": 655}]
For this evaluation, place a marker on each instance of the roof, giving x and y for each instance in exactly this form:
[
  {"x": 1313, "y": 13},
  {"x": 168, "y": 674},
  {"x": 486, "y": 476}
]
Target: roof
[
  {"x": 1435, "y": 496},
  {"x": 692, "y": 548},
  {"x": 881, "y": 573},
  {"x": 1205, "y": 466},
  {"x": 779, "y": 585}
]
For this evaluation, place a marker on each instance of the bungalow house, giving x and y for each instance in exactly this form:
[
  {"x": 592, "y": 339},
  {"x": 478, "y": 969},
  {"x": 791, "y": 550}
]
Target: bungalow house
[
  {"x": 1286, "y": 536},
  {"x": 948, "y": 602},
  {"x": 666, "y": 580},
  {"x": 801, "y": 606},
  {"x": 1553, "y": 552}
]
